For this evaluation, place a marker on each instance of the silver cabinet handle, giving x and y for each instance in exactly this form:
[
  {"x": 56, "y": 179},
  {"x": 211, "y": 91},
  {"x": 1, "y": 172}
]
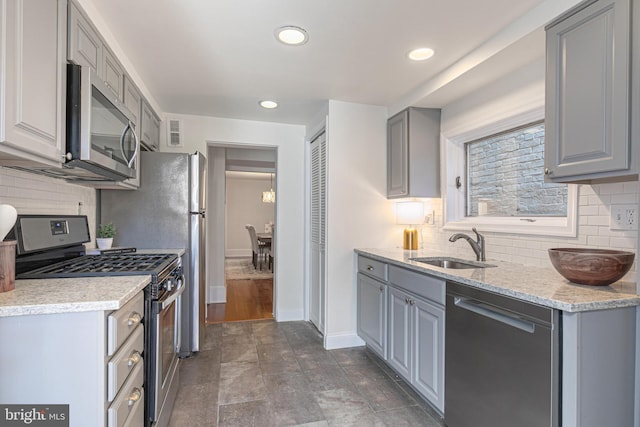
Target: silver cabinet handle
[
  {"x": 406, "y": 300},
  {"x": 411, "y": 302},
  {"x": 381, "y": 288},
  {"x": 134, "y": 318},
  {"x": 370, "y": 267},
  {"x": 134, "y": 358},
  {"x": 135, "y": 395},
  {"x": 548, "y": 171}
]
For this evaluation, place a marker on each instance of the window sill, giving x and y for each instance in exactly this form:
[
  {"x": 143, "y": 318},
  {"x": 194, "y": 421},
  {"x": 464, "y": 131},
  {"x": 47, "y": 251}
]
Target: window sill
[{"x": 561, "y": 227}]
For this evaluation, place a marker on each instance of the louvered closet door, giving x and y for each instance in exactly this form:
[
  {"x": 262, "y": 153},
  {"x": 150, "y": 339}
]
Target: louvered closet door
[{"x": 318, "y": 193}]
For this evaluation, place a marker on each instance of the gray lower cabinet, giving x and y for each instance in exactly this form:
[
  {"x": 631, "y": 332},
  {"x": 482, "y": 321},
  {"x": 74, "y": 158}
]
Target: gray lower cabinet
[
  {"x": 413, "y": 153},
  {"x": 33, "y": 39},
  {"x": 92, "y": 361},
  {"x": 401, "y": 318},
  {"x": 588, "y": 90},
  {"x": 416, "y": 343},
  {"x": 372, "y": 314}
]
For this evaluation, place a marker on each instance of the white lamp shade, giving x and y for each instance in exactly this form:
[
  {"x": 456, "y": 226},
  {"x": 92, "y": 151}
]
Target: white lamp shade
[{"x": 409, "y": 213}]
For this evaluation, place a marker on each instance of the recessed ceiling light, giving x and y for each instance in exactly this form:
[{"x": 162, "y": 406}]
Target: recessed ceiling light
[
  {"x": 268, "y": 104},
  {"x": 421, "y": 54},
  {"x": 292, "y": 35}
]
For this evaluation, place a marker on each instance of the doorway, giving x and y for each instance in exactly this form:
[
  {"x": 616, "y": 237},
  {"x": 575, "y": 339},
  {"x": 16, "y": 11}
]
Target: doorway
[{"x": 246, "y": 198}]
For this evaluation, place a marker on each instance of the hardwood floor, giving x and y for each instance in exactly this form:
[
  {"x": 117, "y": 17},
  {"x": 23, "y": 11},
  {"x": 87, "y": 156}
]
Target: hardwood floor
[{"x": 247, "y": 299}]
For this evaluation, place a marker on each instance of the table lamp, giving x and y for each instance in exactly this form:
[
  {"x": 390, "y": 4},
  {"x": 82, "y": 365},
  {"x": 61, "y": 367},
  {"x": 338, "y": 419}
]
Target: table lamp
[{"x": 410, "y": 213}]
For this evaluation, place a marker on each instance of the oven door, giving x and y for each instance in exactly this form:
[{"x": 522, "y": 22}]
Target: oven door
[{"x": 164, "y": 347}]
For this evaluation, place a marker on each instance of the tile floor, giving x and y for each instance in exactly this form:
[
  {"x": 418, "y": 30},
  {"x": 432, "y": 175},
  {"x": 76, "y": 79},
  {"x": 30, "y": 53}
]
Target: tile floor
[{"x": 263, "y": 373}]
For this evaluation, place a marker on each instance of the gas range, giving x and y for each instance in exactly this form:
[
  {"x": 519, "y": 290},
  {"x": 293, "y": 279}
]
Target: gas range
[{"x": 51, "y": 247}]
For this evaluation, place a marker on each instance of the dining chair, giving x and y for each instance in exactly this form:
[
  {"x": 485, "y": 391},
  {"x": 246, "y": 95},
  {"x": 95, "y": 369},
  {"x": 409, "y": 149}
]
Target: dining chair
[{"x": 257, "y": 247}]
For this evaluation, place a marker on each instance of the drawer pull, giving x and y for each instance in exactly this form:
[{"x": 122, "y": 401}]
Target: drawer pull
[
  {"x": 135, "y": 395},
  {"x": 134, "y": 358},
  {"x": 381, "y": 288},
  {"x": 370, "y": 267},
  {"x": 134, "y": 318},
  {"x": 412, "y": 302}
]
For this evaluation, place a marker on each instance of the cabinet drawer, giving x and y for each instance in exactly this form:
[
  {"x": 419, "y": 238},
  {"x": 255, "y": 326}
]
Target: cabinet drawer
[
  {"x": 122, "y": 322},
  {"x": 420, "y": 284},
  {"x": 372, "y": 268},
  {"x": 124, "y": 361},
  {"x": 136, "y": 416},
  {"x": 127, "y": 401}
]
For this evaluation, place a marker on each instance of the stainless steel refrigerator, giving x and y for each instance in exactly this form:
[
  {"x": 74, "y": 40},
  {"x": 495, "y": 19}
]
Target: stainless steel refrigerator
[{"x": 168, "y": 211}]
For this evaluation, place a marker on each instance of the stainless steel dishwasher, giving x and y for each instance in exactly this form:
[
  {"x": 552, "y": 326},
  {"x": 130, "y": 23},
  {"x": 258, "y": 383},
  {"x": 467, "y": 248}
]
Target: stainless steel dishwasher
[{"x": 501, "y": 361}]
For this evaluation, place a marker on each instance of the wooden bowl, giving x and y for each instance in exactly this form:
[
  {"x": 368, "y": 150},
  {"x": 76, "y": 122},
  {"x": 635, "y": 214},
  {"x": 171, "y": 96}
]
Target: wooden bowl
[{"x": 594, "y": 267}]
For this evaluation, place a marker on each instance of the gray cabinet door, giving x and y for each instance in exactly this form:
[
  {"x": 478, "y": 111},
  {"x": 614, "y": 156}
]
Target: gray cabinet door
[
  {"x": 587, "y": 92},
  {"x": 112, "y": 72},
  {"x": 400, "y": 333},
  {"x": 33, "y": 70},
  {"x": 398, "y": 155},
  {"x": 149, "y": 127},
  {"x": 84, "y": 43},
  {"x": 133, "y": 101},
  {"x": 372, "y": 314},
  {"x": 413, "y": 153},
  {"x": 427, "y": 374}
]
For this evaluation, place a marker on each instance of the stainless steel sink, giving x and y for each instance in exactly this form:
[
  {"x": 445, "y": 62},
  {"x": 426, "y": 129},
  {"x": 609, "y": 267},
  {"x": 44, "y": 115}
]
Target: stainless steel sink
[{"x": 455, "y": 263}]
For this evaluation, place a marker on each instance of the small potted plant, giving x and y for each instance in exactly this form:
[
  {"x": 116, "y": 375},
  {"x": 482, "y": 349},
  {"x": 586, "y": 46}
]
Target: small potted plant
[{"x": 106, "y": 232}]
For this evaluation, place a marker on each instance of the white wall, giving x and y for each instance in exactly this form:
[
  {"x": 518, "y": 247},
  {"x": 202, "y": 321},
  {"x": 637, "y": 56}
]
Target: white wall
[
  {"x": 358, "y": 212},
  {"x": 37, "y": 194},
  {"x": 216, "y": 286},
  {"x": 245, "y": 206},
  {"x": 199, "y": 132}
]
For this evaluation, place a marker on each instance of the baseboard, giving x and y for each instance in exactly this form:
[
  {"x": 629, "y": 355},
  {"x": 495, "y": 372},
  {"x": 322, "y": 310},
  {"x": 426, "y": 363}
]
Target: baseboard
[
  {"x": 345, "y": 340},
  {"x": 238, "y": 253},
  {"x": 289, "y": 315},
  {"x": 217, "y": 294}
]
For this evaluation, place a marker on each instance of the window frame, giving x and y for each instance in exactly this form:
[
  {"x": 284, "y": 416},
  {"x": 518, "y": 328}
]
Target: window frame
[{"x": 455, "y": 199}]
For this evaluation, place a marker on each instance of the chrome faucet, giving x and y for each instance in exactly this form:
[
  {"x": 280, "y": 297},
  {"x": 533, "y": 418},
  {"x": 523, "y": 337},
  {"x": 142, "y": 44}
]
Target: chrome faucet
[{"x": 477, "y": 246}]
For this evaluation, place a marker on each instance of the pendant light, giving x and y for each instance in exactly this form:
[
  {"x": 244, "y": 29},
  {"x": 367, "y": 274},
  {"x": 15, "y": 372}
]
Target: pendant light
[{"x": 269, "y": 196}]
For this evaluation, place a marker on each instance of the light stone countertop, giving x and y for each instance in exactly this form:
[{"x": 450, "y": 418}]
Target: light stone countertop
[
  {"x": 51, "y": 296},
  {"x": 543, "y": 286}
]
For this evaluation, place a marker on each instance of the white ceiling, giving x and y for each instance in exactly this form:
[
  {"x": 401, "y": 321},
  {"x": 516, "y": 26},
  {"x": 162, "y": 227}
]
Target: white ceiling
[{"x": 220, "y": 57}]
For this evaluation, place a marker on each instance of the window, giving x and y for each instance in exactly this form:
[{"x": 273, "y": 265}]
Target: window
[
  {"x": 504, "y": 176},
  {"x": 495, "y": 181}
]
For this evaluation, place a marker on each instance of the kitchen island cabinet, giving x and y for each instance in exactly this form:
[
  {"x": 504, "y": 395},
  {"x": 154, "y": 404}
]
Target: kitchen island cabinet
[
  {"x": 90, "y": 360},
  {"x": 596, "y": 351},
  {"x": 588, "y": 90},
  {"x": 32, "y": 119},
  {"x": 413, "y": 154}
]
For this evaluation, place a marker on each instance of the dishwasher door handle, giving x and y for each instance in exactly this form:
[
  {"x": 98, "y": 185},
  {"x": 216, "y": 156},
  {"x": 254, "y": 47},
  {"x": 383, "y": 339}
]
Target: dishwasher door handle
[{"x": 483, "y": 310}]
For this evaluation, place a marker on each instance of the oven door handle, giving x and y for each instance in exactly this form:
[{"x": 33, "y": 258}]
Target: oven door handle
[{"x": 165, "y": 303}]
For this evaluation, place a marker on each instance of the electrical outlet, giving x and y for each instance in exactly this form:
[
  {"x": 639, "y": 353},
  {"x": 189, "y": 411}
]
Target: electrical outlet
[
  {"x": 430, "y": 218},
  {"x": 624, "y": 217}
]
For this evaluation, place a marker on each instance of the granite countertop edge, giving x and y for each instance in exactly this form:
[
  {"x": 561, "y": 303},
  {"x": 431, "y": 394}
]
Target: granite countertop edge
[
  {"x": 57, "y": 296},
  {"x": 545, "y": 286}
]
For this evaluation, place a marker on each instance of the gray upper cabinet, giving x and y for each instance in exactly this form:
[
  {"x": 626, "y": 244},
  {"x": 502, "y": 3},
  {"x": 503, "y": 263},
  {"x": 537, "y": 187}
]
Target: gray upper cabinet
[
  {"x": 588, "y": 93},
  {"x": 84, "y": 43},
  {"x": 32, "y": 123},
  {"x": 149, "y": 127},
  {"x": 413, "y": 154},
  {"x": 112, "y": 72},
  {"x": 133, "y": 101}
]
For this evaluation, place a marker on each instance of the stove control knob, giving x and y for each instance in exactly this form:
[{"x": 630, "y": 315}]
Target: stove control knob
[{"x": 169, "y": 284}]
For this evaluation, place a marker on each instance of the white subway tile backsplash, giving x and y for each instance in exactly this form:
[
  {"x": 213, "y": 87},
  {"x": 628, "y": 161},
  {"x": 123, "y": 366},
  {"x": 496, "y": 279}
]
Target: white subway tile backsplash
[
  {"x": 37, "y": 194},
  {"x": 593, "y": 230}
]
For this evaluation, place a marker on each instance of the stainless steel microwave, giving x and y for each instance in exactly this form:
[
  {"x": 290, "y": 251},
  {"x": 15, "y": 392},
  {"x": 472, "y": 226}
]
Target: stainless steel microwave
[{"x": 101, "y": 140}]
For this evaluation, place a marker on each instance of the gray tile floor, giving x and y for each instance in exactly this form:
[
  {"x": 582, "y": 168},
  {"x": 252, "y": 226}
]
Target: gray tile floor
[{"x": 264, "y": 373}]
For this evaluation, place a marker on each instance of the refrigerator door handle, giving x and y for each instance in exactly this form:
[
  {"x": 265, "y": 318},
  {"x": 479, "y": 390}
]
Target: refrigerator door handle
[{"x": 201, "y": 213}]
